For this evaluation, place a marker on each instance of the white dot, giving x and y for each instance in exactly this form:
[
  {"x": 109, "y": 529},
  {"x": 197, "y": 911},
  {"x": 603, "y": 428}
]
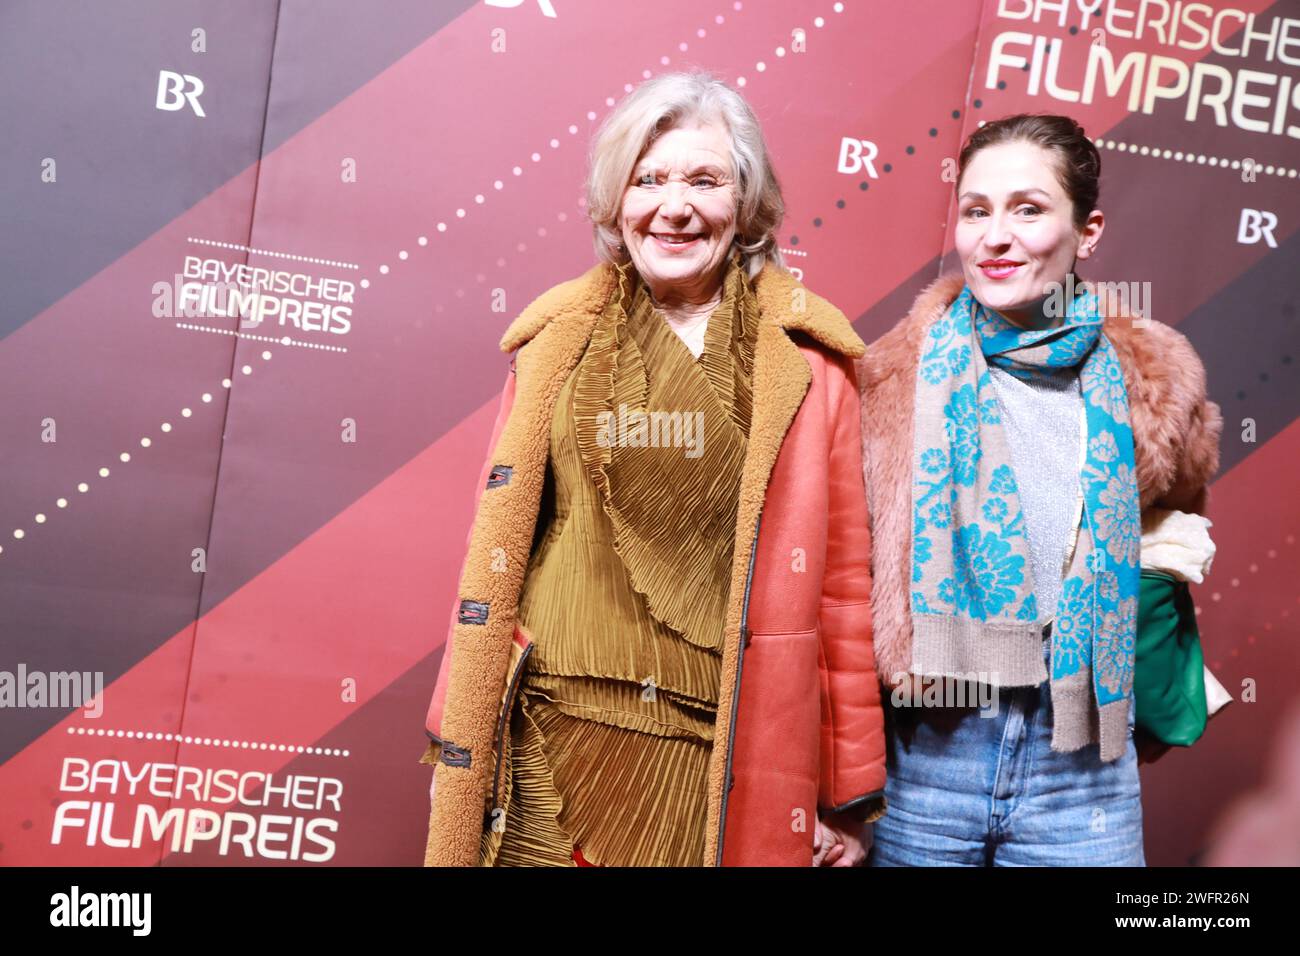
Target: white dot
[
  {"x": 423, "y": 240},
  {"x": 104, "y": 472},
  {"x": 760, "y": 66},
  {"x": 740, "y": 81},
  {"x": 838, "y": 8},
  {"x": 521, "y": 247},
  {"x": 1145, "y": 150},
  {"x": 225, "y": 383},
  {"x": 541, "y": 230},
  {"x": 627, "y": 87},
  {"x": 186, "y": 413},
  {"x": 1268, "y": 170},
  {"x": 18, "y": 532},
  {"x": 683, "y": 47},
  {"x": 165, "y": 426},
  {"x": 442, "y": 227},
  {"x": 124, "y": 457},
  {"x": 365, "y": 284},
  {"x": 719, "y": 19},
  {"x": 478, "y": 198},
  {"x": 460, "y": 213},
  {"x": 537, "y": 157},
  {"x": 1214, "y": 161},
  {"x": 82, "y": 487},
  {"x": 498, "y": 184},
  {"x": 1168, "y": 154},
  {"x": 40, "y": 519},
  {"x": 663, "y": 61},
  {"x": 383, "y": 270},
  {"x": 609, "y": 101},
  {"x": 62, "y": 502},
  {"x": 285, "y": 340},
  {"x": 645, "y": 74},
  {"x": 700, "y": 33},
  {"x": 207, "y": 396},
  {"x": 819, "y": 22},
  {"x": 563, "y": 216},
  {"x": 266, "y": 356},
  {"x": 145, "y": 443},
  {"x": 1178, "y": 155},
  {"x": 402, "y": 254},
  {"x": 780, "y": 51},
  {"x": 247, "y": 370}
]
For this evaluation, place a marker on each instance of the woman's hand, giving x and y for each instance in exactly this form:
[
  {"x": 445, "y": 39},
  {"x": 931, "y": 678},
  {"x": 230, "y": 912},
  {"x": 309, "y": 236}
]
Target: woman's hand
[{"x": 837, "y": 841}]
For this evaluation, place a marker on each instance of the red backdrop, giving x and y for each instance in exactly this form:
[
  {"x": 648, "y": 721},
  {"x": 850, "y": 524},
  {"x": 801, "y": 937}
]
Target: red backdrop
[{"x": 265, "y": 581}]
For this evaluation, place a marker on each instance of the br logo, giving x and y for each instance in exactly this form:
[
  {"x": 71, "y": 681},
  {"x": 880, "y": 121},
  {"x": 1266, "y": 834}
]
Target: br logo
[
  {"x": 172, "y": 94},
  {"x": 1257, "y": 224},
  {"x": 857, "y": 154}
]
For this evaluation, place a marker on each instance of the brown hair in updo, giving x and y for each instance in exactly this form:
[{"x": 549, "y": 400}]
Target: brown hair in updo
[{"x": 1078, "y": 164}]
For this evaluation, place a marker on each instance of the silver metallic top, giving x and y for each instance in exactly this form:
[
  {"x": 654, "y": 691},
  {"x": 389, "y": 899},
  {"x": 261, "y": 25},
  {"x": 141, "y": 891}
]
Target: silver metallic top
[{"x": 1043, "y": 421}]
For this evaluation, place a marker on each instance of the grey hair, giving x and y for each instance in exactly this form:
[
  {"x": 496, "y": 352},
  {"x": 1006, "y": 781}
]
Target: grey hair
[{"x": 666, "y": 102}]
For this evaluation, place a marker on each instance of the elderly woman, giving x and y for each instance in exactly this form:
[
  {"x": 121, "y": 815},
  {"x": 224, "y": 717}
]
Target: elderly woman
[
  {"x": 590, "y": 707},
  {"x": 1015, "y": 431}
]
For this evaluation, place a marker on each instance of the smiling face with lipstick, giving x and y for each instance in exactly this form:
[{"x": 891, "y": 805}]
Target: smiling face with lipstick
[
  {"x": 1019, "y": 231},
  {"x": 679, "y": 214}
]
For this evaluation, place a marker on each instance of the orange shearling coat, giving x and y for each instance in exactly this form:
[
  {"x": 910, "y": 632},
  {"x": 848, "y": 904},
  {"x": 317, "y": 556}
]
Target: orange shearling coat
[{"x": 800, "y": 727}]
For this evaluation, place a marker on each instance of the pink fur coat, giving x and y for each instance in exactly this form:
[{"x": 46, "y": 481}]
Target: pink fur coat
[{"x": 1175, "y": 434}]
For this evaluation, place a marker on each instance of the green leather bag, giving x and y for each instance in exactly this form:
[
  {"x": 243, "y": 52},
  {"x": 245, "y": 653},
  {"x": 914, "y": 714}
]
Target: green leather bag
[{"x": 1169, "y": 674}]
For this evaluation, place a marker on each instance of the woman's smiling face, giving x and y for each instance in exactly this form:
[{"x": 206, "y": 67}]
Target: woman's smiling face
[
  {"x": 679, "y": 213},
  {"x": 1015, "y": 232}
]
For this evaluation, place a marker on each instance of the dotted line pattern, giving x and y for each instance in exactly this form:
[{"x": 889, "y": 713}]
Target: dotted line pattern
[
  {"x": 282, "y": 340},
  {"x": 145, "y": 442},
  {"x": 1217, "y": 596},
  {"x": 536, "y": 157},
  {"x": 268, "y": 252},
  {"x": 209, "y": 741},
  {"x": 1201, "y": 159}
]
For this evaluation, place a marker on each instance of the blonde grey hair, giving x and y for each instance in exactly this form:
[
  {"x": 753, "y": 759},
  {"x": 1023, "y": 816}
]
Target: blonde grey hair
[{"x": 666, "y": 102}]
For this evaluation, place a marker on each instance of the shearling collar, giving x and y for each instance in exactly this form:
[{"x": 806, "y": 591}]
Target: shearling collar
[{"x": 582, "y": 299}]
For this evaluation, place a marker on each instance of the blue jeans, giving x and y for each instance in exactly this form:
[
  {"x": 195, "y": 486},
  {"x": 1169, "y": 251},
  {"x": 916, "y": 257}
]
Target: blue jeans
[{"x": 971, "y": 790}]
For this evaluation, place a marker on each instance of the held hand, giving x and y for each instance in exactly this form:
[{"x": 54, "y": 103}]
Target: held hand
[
  {"x": 845, "y": 837},
  {"x": 825, "y": 841}
]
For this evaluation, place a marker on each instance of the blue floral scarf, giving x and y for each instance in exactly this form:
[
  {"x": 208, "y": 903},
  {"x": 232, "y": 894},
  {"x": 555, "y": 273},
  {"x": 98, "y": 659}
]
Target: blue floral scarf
[{"x": 974, "y": 614}]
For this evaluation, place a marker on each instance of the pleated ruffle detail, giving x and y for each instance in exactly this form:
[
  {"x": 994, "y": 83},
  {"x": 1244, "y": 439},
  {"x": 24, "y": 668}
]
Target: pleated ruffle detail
[
  {"x": 670, "y": 508},
  {"x": 625, "y": 598}
]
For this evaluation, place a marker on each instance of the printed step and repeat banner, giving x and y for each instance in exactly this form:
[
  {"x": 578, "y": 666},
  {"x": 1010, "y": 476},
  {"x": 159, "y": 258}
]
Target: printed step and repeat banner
[{"x": 229, "y": 549}]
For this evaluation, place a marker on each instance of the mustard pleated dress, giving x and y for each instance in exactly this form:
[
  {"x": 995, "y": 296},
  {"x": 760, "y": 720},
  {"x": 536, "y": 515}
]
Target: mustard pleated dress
[{"x": 626, "y": 592}]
